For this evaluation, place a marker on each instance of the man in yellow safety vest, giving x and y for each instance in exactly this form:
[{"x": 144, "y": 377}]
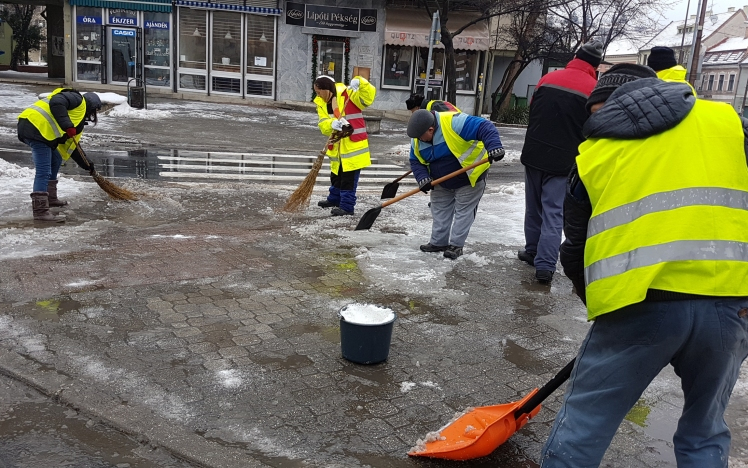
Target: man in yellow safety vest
[{"x": 656, "y": 225}]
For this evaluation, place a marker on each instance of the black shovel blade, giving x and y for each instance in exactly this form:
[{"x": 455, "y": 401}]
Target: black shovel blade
[
  {"x": 367, "y": 220},
  {"x": 390, "y": 190}
]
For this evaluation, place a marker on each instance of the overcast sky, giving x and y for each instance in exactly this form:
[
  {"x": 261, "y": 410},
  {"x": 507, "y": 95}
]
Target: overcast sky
[{"x": 678, "y": 11}]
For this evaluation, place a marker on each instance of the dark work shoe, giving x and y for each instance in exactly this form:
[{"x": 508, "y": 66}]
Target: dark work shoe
[
  {"x": 327, "y": 204},
  {"x": 453, "y": 252},
  {"x": 544, "y": 276},
  {"x": 526, "y": 257},
  {"x": 340, "y": 212},
  {"x": 433, "y": 248}
]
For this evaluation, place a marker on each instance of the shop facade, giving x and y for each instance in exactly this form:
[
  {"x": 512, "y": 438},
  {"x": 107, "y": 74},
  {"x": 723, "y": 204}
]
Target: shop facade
[
  {"x": 181, "y": 46},
  {"x": 270, "y": 49}
]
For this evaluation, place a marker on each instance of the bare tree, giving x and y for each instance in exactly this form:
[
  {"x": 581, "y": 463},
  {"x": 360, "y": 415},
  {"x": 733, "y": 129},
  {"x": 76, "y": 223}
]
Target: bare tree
[
  {"x": 485, "y": 8},
  {"x": 26, "y": 36}
]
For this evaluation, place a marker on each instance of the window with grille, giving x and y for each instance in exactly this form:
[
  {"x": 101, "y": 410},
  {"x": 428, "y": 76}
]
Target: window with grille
[
  {"x": 192, "y": 38},
  {"x": 260, "y": 45}
]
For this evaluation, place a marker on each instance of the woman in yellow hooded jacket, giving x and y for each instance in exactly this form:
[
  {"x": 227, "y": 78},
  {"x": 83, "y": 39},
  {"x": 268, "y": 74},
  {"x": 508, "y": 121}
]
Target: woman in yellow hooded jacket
[{"x": 339, "y": 109}]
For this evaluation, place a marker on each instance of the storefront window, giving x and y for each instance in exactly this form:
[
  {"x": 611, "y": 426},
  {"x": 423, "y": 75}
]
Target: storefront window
[
  {"x": 260, "y": 44},
  {"x": 156, "y": 28},
  {"x": 397, "y": 63},
  {"x": 226, "y": 43},
  {"x": 192, "y": 39},
  {"x": 88, "y": 43},
  {"x": 466, "y": 64}
]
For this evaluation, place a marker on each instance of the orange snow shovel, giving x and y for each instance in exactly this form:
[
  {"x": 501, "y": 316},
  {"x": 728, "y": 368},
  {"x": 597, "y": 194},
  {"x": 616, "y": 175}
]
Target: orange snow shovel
[{"x": 480, "y": 431}]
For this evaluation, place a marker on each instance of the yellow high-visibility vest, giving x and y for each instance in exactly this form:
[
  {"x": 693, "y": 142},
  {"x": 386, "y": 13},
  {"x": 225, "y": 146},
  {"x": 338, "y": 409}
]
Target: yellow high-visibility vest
[
  {"x": 670, "y": 212},
  {"x": 40, "y": 116},
  {"x": 466, "y": 151}
]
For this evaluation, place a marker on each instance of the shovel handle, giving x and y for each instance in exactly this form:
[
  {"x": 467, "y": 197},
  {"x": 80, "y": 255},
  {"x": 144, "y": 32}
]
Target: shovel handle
[
  {"x": 434, "y": 182},
  {"x": 401, "y": 177},
  {"x": 562, "y": 376}
]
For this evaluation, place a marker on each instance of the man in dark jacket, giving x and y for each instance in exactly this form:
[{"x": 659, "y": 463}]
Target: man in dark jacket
[
  {"x": 655, "y": 217},
  {"x": 557, "y": 113}
]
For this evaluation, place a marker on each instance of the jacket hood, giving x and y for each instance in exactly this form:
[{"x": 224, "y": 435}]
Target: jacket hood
[
  {"x": 641, "y": 108},
  {"x": 581, "y": 65}
]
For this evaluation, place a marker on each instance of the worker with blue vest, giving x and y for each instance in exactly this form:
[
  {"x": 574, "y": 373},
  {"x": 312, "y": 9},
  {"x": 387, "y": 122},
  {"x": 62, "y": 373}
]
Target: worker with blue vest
[
  {"x": 442, "y": 143},
  {"x": 656, "y": 225},
  {"x": 340, "y": 109},
  {"x": 52, "y": 127}
]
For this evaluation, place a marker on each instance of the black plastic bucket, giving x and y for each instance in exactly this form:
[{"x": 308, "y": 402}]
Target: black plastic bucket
[{"x": 364, "y": 343}]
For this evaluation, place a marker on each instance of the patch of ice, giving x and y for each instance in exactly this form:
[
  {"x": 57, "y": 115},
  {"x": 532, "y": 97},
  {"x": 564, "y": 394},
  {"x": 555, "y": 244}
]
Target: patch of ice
[
  {"x": 230, "y": 378},
  {"x": 405, "y": 387}
]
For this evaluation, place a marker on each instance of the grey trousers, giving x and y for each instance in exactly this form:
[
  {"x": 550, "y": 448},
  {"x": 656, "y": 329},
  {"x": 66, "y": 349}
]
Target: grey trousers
[{"x": 453, "y": 212}]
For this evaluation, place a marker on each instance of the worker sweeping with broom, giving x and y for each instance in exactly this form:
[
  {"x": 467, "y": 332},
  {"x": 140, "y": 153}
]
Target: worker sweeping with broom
[
  {"x": 48, "y": 126},
  {"x": 340, "y": 110}
]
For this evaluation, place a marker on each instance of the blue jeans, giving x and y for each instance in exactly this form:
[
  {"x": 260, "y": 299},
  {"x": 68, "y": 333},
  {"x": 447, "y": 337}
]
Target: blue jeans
[
  {"x": 544, "y": 216},
  {"x": 47, "y": 162},
  {"x": 705, "y": 341}
]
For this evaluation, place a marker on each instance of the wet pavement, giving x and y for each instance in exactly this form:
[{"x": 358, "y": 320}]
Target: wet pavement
[{"x": 202, "y": 321}]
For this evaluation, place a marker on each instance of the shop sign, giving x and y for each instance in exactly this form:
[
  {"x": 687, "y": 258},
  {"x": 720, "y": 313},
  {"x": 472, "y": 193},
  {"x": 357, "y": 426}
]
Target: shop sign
[
  {"x": 320, "y": 16},
  {"x": 123, "y": 32},
  {"x": 122, "y": 21},
  {"x": 89, "y": 19},
  {"x": 157, "y": 24}
]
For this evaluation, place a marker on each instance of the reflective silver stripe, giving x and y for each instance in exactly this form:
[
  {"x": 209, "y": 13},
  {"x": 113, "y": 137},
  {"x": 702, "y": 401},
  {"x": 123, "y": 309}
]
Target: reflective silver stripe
[
  {"x": 358, "y": 131},
  {"x": 355, "y": 153},
  {"x": 691, "y": 250},
  {"x": 51, "y": 121},
  {"x": 709, "y": 196},
  {"x": 468, "y": 152},
  {"x": 358, "y": 115}
]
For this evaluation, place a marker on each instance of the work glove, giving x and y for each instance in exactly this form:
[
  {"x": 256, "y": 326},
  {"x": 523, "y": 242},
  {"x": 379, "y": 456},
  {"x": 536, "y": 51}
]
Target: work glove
[
  {"x": 355, "y": 83},
  {"x": 425, "y": 184},
  {"x": 495, "y": 155},
  {"x": 338, "y": 124},
  {"x": 71, "y": 132}
]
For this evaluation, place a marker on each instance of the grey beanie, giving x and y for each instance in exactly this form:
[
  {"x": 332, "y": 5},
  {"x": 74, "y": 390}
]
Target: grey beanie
[
  {"x": 419, "y": 122},
  {"x": 591, "y": 52}
]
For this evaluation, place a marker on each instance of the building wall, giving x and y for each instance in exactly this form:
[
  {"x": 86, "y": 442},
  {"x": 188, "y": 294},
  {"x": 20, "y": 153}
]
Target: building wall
[
  {"x": 714, "y": 94},
  {"x": 5, "y": 44},
  {"x": 529, "y": 76}
]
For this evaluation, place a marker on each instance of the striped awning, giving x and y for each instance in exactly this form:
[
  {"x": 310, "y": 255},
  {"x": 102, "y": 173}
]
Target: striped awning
[
  {"x": 143, "y": 5},
  {"x": 229, "y": 7}
]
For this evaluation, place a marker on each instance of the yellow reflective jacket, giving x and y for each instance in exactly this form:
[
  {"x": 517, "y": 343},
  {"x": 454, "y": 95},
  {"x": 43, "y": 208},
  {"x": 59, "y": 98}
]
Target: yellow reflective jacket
[
  {"x": 466, "y": 151},
  {"x": 653, "y": 227},
  {"x": 353, "y": 151},
  {"x": 676, "y": 74},
  {"x": 40, "y": 115}
]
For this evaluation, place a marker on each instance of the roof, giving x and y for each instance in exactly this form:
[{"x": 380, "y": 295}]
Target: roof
[
  {"x": 625, "y": 46},
  {"x": 670, "y": 37},
  {"x": 733, "y": 43}
]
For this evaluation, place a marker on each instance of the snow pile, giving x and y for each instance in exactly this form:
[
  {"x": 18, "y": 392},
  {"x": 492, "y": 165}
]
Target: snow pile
[
  {"x": 13, "y": 171},
  {"x": 366, "y": 314},
  {"x": 125, "y": 111}
]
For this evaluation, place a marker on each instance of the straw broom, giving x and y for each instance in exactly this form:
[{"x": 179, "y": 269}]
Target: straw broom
[
  {"x": 114, "y": 191},
  {"x": 300, "y": 198}
]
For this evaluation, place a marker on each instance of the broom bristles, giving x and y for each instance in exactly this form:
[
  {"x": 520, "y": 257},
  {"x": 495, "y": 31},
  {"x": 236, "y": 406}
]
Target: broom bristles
[
  {"x": 114, "y": 191},
  {"x": 300, "y": 198}
]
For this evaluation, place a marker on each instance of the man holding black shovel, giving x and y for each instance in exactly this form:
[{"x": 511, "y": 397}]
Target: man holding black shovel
[{"x": 443, "y": 143}]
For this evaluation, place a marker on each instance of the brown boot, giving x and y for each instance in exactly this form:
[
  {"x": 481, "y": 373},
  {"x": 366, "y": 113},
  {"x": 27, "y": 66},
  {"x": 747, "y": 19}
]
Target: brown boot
[
  {"x": 52, "y": 191},
  {"x": 40, "y": 205}
]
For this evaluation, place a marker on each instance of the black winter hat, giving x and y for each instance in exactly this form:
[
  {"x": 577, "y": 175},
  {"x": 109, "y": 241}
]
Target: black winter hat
[
  {"x": 617, "y": 75},
  {"x": 591, "y": 52},
  {"x": 415, "y": 100},
  {"x": 419, "y": 122},
  {"x": 93, "y": 102},
  {"x": 661, "y": 58}
]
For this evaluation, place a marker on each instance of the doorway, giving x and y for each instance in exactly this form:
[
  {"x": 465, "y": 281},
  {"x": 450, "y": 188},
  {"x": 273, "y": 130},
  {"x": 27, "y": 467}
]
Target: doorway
[{"x": 123, "y": 54}]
